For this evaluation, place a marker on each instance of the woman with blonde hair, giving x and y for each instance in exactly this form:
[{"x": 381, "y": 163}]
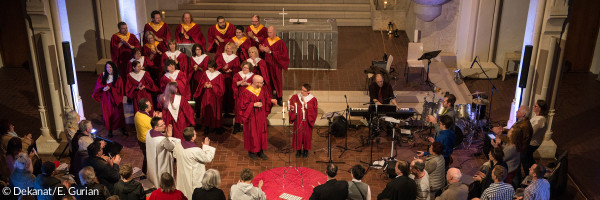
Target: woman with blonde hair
[
  {"x": 176, "y": 110},
  {"x": 228, "y": 64}
]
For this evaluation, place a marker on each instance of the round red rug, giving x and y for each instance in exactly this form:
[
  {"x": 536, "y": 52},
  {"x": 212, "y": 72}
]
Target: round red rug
[{"x": 274, "y": 185}]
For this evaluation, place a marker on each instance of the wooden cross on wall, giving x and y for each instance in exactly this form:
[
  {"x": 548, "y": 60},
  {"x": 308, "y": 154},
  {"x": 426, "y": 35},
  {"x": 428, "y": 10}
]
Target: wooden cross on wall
[{"x": 283, "y": 13}]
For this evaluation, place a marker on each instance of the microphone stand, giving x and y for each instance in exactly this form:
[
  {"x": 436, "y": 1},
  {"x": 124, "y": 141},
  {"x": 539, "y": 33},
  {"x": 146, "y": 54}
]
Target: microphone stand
[
  {"x": 345, "y": 147},
  {"x": 371, "y": 138},
  {"x": 291, "y": 132},
  {"x": 489, "y": 117}
]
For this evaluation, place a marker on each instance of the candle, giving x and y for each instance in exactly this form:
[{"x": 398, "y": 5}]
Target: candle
[
  {"x": 303, "y": 111},
  {"x": 296, "y": 108},
  {"x": 283, "y": 110},
  {"x": 288, "y": 105}
]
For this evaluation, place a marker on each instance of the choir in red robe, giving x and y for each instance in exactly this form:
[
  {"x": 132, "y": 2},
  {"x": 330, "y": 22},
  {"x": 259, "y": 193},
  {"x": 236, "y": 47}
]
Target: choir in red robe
[
  {"x": 154, "y": 53},
  {"x": 159, "y": 28},
  {"x": 140, "y": 85},
  {"x": 254, "y": 118},
  {"x": 193, "y": 33},
  {"x": 178, "y": 112},
  {"x": 259, "y": 66},
  {"x": 226, "y": 31},
  {"x": 121, "y": 46},
  {"x": 198, "y": 63},
  {"x": 241, "y": 80},
  {"x": 228, "y": 64},
  {"x": 277, "y": 59},
  {"x": 109, "y": 92},
  {"x": 303, "y": 116},
  {"x": 178, "y": 76},
  {"x": 256, "y": 31},
  {"x": 210, "y": 90},
  {"x": 181, "y": 60},
  {"x": 242, "y": 43}
]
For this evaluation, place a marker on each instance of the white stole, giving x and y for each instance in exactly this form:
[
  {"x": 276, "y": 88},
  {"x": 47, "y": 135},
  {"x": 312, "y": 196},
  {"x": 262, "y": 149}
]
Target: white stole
[
  {"x": 174, "y": 107},
  {"x": 199, "y": 59},
  {"x": 109, "y": 79},
  {"x": 250, "y": 60},
  {"x": 228, "y": 58},
  {"x": 245, "y": 76},
  {"x": 138, "y": 77},
  {"x": 212, "y": 75},
  {"x": 306, "y": 99},
  {"x": 141, "y": 60},
  {"x": 173, "y": 55},
  {"x": 173, "y": 75}
]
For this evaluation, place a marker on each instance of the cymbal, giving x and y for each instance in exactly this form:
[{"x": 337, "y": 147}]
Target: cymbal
[
  {"x": 478, "y": 92},
  {"x": 481, "y": 101}
]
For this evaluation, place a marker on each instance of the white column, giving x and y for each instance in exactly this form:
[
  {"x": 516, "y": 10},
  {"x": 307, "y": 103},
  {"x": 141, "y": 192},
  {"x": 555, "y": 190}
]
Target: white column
[
  {"x": 47, "y": 144},
  {"x": 38, "y": 86}
]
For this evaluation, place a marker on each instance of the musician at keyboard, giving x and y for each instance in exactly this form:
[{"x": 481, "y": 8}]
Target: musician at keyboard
[{"x": 381, "y": 92}]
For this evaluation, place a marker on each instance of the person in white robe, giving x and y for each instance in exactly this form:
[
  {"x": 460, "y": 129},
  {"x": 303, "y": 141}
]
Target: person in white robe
[
  {"x": 191, "y": 160},
  {"x": 159, "y": 150}
]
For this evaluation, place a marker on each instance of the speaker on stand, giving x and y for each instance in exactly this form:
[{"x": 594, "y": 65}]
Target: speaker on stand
[{"x": 525, "y": 70}]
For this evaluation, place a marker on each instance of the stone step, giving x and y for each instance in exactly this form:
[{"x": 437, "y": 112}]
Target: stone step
[
  {"x": 276, "y": 6},
  {"x": 289, "y": 1},
  {"x": 271, "y": 14},
  {"x": 246, "y": 21}
]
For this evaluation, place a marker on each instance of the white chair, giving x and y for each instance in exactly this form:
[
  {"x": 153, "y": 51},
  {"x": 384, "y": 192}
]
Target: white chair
[{"x": 415, "y": 50}]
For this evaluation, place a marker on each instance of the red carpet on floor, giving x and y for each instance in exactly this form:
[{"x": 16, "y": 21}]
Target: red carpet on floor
[{"x": 274, "y": 185}]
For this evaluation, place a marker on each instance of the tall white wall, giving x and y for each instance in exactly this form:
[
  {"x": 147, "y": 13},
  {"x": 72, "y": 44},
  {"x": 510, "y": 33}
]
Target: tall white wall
[
  {"x": 511, "y": 29},
  {"x": 439, "y": 34},
  {"x": 83, "y": 33}
]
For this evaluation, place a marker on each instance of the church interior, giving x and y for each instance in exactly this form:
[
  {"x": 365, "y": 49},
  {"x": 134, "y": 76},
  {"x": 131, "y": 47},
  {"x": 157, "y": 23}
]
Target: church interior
[{"x": 494, "y": 56}]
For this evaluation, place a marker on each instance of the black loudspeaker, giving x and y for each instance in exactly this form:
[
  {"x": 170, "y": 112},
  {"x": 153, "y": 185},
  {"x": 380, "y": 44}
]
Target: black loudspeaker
[
  {"x": 68, "y": 64},
  {"x": 339, "y": 126},
  {"x": 525, "y": 69}
]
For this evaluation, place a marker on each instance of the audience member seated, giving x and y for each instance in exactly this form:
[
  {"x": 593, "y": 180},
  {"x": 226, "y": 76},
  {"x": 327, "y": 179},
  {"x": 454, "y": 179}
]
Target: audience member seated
[
  {"x": 483, "y": 177},
  {"x": 79, "y": 143},
  {"x": 455, "y": 190},
  {"x": 515, "y": 144},
  {"x": 498, "y": 190},
  {"x": 401, "y": 187},
  {"x": 332, "y": 189},
  {"x": 127, "y": 188},
  {"x": 435, "y": 167},
  {"x": 167, "y": 189},
  {"x": 357, "y": 190},
  {"x": 418, "y": 173},
  {"x": 89, "y": 181},
  {"x": 46, "y": 180},
  {"x": 71, "y": 125},
  {"x": 106, "y": 168},
  {"x": 13, "y": 149},
  {"x": 210, "y": 187},
  {"x": 539, "y": 188},
  {"x": 244, "y": 189},
  {"x": 22, "y": 177}
]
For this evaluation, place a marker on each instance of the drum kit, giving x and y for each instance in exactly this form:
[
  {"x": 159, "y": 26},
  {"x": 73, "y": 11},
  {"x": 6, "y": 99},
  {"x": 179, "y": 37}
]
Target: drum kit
[{"x": 470, "y": 118}]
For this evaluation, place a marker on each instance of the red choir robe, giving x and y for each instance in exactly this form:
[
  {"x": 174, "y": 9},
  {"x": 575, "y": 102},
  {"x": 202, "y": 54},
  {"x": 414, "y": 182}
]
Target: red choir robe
[
  {"x": 180, "y": 57},
  {"x": 237, "y": 91},
  {"x": 180, "y": 114},
  {"x": 144, "y": 61},
  {"x": 234, "y": 64},
  {"x": 156, "y": 70},
  {"x": 277, "y": 61},
  {"x": 243, "y": 44},
  {"x": 111, "y": 101},
  {"x": 160, "y": 30},
  {"x": 215, "y": 31},
  {"x": 132, "y": 91},
  {"x": 303, "y": 118},
  {"x": 193, "y": 31},
  {"x": 202, "y": 62},
  {"x": 260, "y": 68},
  {"x": 182, "y": 84},
  {"x": 260, "y": 32},
  {"x": 255, "y": 119},
  {"x": 122, "y": 55},
  {"x": 212, "y": 98}
]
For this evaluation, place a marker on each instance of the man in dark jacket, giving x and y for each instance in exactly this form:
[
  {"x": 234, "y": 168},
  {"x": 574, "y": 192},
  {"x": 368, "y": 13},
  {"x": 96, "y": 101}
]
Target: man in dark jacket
[
  {"x": 401, "y": 187},
  {"x": 46, "y": 180},
  {"x": 127, "y": 188},
  {"x": 106, "y": 168},
  {"x": 332, "y": 189}
]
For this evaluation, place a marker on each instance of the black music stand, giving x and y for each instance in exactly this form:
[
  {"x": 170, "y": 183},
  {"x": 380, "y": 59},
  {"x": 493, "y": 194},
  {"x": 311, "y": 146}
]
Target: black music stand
[
  {"x": 373, "y": 112},
  {"x": 329, "y": 146},
  {"x": 428, "y": 56},
  {"x": 345, "y": 147}
]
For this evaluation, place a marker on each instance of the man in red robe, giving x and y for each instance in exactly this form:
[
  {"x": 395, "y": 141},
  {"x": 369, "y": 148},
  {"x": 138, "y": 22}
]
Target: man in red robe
[
  {"x": 257, "y": 32},
  {"x": 255, "y": 107},
  {"x": 189, "y": 32},
  {"x": 242, "y": 43},
  {"x": 121, "y": 46},
  {"x": 276, "y": 55},
  {"x": 211, "y": 89},
  {"x": 303, "y": 114},
  {"x": 160, "y": 29},
  {"x": 217, "y": 35}
]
